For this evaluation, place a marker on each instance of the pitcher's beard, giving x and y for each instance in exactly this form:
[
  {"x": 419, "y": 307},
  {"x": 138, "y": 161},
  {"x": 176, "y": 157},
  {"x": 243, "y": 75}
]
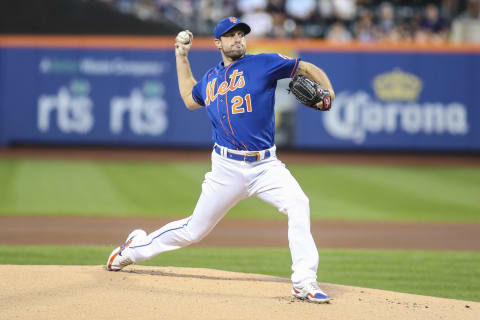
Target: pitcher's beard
[{"x": 235, "y": 54}]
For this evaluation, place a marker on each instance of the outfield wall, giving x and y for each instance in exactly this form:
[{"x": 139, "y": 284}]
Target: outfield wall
[{"x": 122, "y": 91}]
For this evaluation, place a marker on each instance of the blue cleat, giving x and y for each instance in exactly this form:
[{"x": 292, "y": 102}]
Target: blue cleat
[{"x": 311, "y": 291}]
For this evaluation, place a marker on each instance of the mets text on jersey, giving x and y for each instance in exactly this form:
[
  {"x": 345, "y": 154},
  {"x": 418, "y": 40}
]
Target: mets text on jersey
[{"x": 224, "y": 87}]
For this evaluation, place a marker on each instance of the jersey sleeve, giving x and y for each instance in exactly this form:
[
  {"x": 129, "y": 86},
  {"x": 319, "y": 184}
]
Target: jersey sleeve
[
  {"x": 197, "y": 93},
  {"x": 280, "y": 66}
]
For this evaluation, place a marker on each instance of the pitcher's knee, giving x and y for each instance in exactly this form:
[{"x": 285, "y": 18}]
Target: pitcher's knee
[
  {"x": 194, "y": 236},
  {"x": 299, "y": 203},
  {"x": 305, "y": 200},
  {"x": 298, "y": 211}
]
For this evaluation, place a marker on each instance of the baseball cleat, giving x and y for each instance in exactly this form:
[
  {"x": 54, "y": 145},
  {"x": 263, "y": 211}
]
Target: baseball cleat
[
  {"x": 311, "y": 292},
  {"x": 116, "y": 261}
]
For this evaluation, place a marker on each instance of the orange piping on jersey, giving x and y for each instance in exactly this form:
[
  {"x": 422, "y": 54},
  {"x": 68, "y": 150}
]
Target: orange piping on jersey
[
  {"x": 220, "y": 119},
  {"x": 226, "y": 97},
  {"x": 224, "y": 130},
  {"x": 291, "y": 73},
  {"x": 226, "y": 106},
  {"x": 221, "y": 122}
]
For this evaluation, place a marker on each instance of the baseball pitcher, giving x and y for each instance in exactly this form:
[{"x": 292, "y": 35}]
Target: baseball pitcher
[{"x": 239, "y": 96}]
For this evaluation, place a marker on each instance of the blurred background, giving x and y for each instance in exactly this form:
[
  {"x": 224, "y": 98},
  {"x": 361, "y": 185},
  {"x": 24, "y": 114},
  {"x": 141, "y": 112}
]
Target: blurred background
[
  {"x": 102, "y": 72},
  {"x": 336, "y": 20}
]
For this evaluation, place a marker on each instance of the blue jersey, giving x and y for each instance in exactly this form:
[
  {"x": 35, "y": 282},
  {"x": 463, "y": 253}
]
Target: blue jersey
[{"x": 240, "y": 99}]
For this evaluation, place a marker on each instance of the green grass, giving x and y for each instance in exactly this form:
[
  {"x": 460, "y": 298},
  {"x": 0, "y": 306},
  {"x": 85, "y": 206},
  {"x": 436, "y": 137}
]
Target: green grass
[
  {"x": 66, "y": 187},
  {"x": 433, "y": 273}
]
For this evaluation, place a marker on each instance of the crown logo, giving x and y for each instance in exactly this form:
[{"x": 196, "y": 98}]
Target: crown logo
[
  {"x": 232, "y": 19},
  {"x": 397, "y": 86}
]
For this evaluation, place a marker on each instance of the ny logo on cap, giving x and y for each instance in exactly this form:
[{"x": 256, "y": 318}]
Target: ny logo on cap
[{"x": 232, "y": 19}]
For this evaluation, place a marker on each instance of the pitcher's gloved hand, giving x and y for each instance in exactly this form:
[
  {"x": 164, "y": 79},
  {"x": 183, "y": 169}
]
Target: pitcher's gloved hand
[{"x": 310, "y": 93}]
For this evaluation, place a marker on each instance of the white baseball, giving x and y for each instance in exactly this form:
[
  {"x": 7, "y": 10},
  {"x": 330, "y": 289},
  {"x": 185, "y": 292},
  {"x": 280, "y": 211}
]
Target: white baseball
[{"x": 183, "y": 37}]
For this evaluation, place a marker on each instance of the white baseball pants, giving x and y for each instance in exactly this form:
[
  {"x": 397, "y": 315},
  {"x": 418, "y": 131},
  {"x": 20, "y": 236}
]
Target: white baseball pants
[{"x": 229, "y": 182}]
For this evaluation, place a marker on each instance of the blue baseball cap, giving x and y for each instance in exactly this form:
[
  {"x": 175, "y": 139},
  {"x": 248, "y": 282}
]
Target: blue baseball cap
[{"x": 227, "y": 24}]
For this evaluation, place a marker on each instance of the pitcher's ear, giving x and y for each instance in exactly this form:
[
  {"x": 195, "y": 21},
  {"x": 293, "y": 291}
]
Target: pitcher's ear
[{"x": 218, "y": 43}]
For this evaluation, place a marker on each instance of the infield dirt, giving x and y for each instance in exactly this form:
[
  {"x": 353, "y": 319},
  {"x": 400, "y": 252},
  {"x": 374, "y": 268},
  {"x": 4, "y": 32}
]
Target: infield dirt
[
  {"x": 91, "y": 292},
  {"x": 244, "y": 233}
]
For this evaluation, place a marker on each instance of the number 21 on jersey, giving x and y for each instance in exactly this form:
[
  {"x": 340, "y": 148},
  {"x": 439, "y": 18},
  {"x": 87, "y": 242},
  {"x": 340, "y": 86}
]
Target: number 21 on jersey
[{"x": 237, "y": 104}]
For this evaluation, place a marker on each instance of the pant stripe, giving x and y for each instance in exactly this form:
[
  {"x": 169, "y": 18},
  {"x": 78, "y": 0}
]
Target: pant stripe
[{"x": 151, "y": 241}]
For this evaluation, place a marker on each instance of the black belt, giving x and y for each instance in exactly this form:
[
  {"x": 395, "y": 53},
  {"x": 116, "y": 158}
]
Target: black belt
[{"x": 253, "y": 156}]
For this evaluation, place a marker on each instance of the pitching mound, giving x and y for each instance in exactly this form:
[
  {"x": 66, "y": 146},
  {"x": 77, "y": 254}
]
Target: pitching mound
[{"x": 73, "y": 292}]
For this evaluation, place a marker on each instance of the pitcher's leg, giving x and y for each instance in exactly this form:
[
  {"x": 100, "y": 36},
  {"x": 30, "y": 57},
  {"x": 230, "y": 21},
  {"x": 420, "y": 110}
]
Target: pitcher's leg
[
  {"x": 279, "y": 188},
  {"x": 219, "y": 195}
]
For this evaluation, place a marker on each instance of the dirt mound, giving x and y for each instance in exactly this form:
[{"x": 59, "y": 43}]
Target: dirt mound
[{"x": 90, "y": 292}]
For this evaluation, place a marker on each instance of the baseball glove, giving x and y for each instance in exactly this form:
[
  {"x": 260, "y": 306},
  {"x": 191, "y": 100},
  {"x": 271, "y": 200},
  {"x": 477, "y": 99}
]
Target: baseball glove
[{"x": 310, "y": 93}]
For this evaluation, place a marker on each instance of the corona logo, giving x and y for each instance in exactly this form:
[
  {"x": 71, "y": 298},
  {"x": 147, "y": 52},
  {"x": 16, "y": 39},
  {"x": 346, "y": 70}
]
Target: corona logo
[
  {"x": 232, "y": 19},
  {"x": 397, "y": 86},
  {"x": 357, "y": 115}
]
